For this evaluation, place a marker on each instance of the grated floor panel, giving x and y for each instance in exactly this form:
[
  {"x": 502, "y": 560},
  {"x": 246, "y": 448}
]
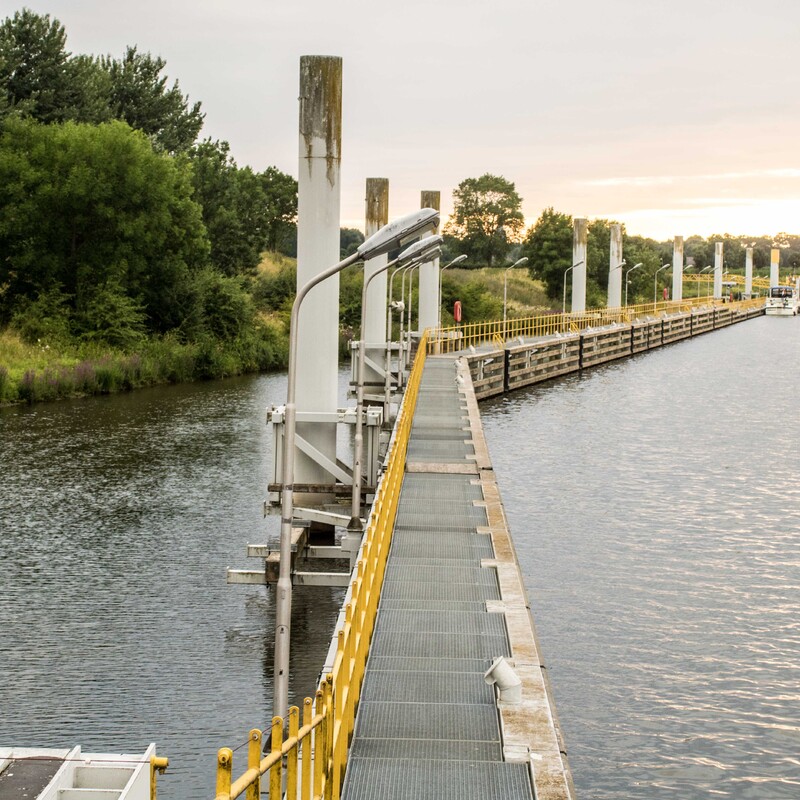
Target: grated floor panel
[{"x": 434, "y": 638}]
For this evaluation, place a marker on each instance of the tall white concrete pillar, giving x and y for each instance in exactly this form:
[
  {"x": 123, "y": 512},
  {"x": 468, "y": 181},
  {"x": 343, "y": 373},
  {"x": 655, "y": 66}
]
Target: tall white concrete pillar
[
  {"x": 614, "y": 268},
  {"x": 774, "y": 267},
  {"x": 677, "y": 269},
  {"x": 748, "y": 271},
  {"x": 718, "y": 270},
  {"x": 374, "y": 333},
  {"x": 429, "y": 274},
  {"x": 580, "y": 232},
  {"x": 318, "y": 200}
]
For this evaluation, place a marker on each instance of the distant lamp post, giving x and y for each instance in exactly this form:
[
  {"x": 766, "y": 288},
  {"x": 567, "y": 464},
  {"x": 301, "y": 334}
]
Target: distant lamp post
[
  {"x": 635, "y": 266},
  {"x": 708, "y": 281},
  {"x": 456, "y": 260},
  {"x": 518, "y": 263},
  {"x": 655, "y": 280},
  {"x": 390, "y": 236},
  {"x": 566, "y": 271}
]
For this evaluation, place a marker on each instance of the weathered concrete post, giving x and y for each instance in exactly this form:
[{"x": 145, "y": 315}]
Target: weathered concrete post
[
  {"x": 580, "y": 231},
  {"x": 429, "y": 301},
  {"x": 774, "y": 267},
  {"x": 374, "y": 333},
  {"x": 318, "y": 201},
  {"x": 717, "y": 270},
  {"x": 615, "y": 268},
  {"x": 677, "y": 269},
  {"x": 748, "y": 271}
]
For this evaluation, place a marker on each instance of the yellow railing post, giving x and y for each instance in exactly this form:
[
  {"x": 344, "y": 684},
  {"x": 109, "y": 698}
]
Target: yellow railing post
[
  {"x": 224, "y": 772},
  {"x": 276, "y": 772},
  {"x": 291, "y": 757},
  {"x": 253, "y": 762},
  {"x": 305, "y": 752},
  {"x": 158, "y": 764}
]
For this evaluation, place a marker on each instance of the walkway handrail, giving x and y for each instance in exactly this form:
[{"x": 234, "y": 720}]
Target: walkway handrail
[
  {"x": 316, "y": 753},
  {"x": 460, "y": 337}
]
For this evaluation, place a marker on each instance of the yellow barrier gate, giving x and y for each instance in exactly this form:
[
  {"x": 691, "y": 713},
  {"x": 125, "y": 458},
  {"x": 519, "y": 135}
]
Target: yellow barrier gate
[{"x": 316, "y": 752}]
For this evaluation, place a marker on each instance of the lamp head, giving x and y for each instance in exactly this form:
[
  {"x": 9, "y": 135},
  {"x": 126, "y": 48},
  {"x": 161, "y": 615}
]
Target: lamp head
[
  {"x": 399, "y": 232},
  {"x": 420, "y": 249}
]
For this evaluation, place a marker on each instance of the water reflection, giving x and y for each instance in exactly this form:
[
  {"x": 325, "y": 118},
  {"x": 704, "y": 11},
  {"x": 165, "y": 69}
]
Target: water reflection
[{"x": 656, "y": 512}]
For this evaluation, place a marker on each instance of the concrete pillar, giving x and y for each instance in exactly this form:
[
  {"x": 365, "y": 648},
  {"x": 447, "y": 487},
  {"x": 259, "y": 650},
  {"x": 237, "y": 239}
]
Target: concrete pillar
[
  {"x": 677, "y": 269},
  {"x": 374, "y": 333},
  {"x": 429, "y": 274},
  {"x": 580, "y": 232},
  {"x": 774, "y": 267},
  {"x": 718, "y": 270},
  {"x": 318, "y": 200},
  {"x": 614, "y": 268},
  {"x": 748, "y": 271}
]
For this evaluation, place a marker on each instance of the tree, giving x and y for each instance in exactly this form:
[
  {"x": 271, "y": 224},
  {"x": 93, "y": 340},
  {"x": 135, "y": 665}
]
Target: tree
[
  {"x": 548, "y": 246},
  {"x": 235, "y": 210},
  {"x": 487, "y": 217},
  {"x": 280, "y": 192},
  {"x": 140, "y": 97},
  {"x": 85, "y": 206},
  {"x": 349, "y": 241}
]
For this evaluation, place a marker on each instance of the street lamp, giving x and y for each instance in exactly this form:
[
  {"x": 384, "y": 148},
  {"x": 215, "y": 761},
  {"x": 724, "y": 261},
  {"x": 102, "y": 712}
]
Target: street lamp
[
  {"x": 708, "y": 282},
  {"x": 655, "y": 280},
  {"x": 456, "y": 260},
  {"x": 390, "y": 236},
  {"x": 518, "y": 263},
  {"x": 635, "y": 266},
  {"x": 564, "y": 303},
  {"x": 419, "y": 252}
]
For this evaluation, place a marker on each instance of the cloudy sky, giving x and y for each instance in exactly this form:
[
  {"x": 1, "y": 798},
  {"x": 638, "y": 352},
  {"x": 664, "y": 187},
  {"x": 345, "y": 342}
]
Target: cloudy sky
[{"x": 674, "y": 117}]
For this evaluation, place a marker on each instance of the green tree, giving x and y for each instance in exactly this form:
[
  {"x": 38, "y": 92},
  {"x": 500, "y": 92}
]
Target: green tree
[
  {"x": 235, "y": 211},
  {"x": 349, "y": 241},
  {"x": 487, "y": 217},
  {"x": 140, "y": 96},
  {"x": 83, "y": 206},
  {"x": 280, "y": 192},
  {"x": 548, "y": 246}
]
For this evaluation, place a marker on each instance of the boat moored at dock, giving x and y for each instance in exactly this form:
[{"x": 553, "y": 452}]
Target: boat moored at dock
[{"x": 782, "y": 301}]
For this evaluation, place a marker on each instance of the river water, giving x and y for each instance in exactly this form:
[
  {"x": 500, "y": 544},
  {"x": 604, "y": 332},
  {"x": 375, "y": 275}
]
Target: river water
[
  {"x": 655, "y": 508},
  {"x": 118, "y": 517},
  {"x": 654, "y": 505}
]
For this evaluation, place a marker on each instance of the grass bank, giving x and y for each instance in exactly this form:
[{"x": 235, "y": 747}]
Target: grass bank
[{"x": 31, "y": 373}]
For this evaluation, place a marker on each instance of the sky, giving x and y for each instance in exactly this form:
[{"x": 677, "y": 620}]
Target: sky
[{"x": 674, "y": 117}]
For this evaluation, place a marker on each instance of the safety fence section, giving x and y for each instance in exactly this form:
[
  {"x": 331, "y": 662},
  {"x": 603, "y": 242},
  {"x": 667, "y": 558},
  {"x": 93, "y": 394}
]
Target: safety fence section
[
  {"x": 310, "y": 762},
  {"x": 462, "y": 337}
]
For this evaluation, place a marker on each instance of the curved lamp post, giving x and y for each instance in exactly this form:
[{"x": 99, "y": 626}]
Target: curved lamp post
[
  {"x": 564, "y": 303},
  {"x": 387, "y": 238},
  {"x": 423, "y": 245},
  {"x": 708, "y": 282},
  {"x": 635, "y": 266},
  {"x": 655, "y": 279},
  {"x": 518, "y": 263},
  {"x": 456, "y": 260},
  {"x": 418, "y": 255}
]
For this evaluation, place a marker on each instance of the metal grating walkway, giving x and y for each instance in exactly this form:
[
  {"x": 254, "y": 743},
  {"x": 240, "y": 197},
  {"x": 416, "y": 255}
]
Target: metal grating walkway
[{"x": 427, "y": 725}]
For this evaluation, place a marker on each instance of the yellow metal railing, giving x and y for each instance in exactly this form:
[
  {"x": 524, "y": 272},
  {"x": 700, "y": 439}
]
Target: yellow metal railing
[
  {"x": 758, "y": 283},
  {"x": 315, "y": 753},
  {"x": 460, "y": 337}
]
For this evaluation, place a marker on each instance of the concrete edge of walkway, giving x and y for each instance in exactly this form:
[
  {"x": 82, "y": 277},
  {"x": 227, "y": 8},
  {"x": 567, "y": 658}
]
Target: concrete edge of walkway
[{"x": 530, "y": 729}]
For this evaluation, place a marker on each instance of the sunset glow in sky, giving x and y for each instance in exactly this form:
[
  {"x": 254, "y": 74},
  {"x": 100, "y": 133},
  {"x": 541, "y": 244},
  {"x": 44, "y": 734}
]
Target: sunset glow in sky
[{"x": 676, "y": 117}]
